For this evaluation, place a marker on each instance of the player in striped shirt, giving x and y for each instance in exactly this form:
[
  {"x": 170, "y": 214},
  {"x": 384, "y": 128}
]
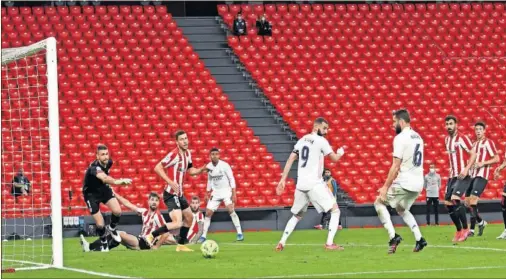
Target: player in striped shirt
[
  {"x": 197, "y": 227},
  {"x": 458, "y": 148},
  {"x": 152, "y": 219},
  {"x": 178, "y": 162},
  {"x": 484, "y": 155},
  {"x": 503, "y": 199}
]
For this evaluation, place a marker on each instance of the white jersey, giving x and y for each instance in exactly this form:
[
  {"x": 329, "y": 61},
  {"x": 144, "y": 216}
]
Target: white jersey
[
  {"x": 220, "y": 178},
  {"x": 408, "y": 146},
  {"x": 311, "y": 149}
]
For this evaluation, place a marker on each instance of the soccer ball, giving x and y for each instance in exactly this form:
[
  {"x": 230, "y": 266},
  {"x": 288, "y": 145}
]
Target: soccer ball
[{"x": 209, "y": 249}]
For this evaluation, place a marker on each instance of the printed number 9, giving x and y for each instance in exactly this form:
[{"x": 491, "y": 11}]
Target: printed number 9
[
  {"x": 417, "y": 156},
  {"x": 305, "y": 155}
]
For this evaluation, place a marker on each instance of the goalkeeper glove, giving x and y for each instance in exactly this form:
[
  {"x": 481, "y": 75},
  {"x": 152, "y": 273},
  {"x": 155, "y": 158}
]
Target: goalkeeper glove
[
  {"x": 123, "y": 181},
  {"x": 340, "y": 151}
]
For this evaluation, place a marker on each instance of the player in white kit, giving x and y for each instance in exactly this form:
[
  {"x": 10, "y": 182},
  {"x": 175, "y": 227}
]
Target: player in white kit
[
  {"x": 220, "y": 188},
  {"x": 404, "y": 182},
  {"x": 310, "y": 150}
]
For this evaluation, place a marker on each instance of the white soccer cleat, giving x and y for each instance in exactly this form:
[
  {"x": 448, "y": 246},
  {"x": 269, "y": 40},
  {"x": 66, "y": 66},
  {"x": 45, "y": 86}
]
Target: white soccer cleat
[
  {"x": 114, "y": 234},
  {"x": 503, "y": 235},
  {"x": 84, "y": 244}
]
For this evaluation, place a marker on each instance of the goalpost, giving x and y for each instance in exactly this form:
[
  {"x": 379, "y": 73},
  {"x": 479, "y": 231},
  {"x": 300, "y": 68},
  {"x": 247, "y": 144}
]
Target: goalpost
[{"x": 31, "y": 224}]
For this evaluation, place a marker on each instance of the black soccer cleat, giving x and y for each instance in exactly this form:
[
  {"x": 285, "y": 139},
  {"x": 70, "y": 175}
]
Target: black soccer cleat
[
  {"x": 393, "y": 243},
  {"x": 420, "y": 244},
  {"x": 481, "y": 228}
]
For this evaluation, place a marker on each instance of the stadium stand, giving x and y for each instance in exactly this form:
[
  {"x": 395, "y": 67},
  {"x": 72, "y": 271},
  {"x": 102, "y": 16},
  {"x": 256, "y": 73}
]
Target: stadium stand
[
  {"x": 354, "y": 64},
  {"x": 128, "y": 78}
]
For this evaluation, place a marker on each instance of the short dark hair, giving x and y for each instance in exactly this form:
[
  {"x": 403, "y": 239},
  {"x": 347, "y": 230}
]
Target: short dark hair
[
  {"x": 101, "y": 147},
  {"x": 214, "y": 149},
  {"x": 402, "y": 114},
  {"x": 195, "y": 198},
  {"x": 179, "y": 133},
  {"x": 153, "y": 195},
  {"x": 481, "y": 123},
  {"x": 451, "y": 117},
  {"x": 324, "y": 170},
  {"x": 320, "y": 120}
]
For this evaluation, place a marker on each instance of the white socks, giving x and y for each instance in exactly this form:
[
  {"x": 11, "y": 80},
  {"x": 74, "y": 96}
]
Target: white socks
[
  {"x": 333, "y": 226},
  {"x": 207, "y": 223},
  {"x": 290, "y": 226},
  {"x": 236, "y": 221},
  {"x": 385, "y": 219},
  {"x": 409, "y": 219}
]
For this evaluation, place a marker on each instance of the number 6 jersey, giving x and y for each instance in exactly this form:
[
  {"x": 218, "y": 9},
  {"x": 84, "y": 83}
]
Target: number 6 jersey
[
  {"x": 408, "y": 146},
  {"x": 311, "y": 149}
]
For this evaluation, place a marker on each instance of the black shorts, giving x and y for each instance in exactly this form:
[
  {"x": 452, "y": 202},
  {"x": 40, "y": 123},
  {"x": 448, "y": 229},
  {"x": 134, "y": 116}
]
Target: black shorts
[
  {"x": 477, "y": 186},
  {"x": 174, "y": 202},
  {"x": 143, "y": 245},
  {"x": 94, "y": 198},
  {"x": 457, "y": 187}
]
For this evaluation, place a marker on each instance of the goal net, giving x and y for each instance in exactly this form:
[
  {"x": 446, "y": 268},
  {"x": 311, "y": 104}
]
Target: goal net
[{"x": 31, "y": 197}]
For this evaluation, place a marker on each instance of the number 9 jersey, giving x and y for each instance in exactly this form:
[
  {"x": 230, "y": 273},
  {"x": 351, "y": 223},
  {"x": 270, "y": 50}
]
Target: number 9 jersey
[
  {"x": 311, "y": 149},
  {"x": 408, "y": 146}
]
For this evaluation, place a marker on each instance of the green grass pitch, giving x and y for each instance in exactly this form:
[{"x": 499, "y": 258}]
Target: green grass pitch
[{"x": 365, "y": 255}]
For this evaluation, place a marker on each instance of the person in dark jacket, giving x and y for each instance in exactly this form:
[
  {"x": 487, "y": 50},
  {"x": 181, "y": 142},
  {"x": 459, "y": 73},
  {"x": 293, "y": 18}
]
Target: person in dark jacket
[
  {"x": 240, "y": 26},
  {"x": 333, "y": 186},
  {"x": 20, "y": 184},
  {"x": 264, "y": 27}
]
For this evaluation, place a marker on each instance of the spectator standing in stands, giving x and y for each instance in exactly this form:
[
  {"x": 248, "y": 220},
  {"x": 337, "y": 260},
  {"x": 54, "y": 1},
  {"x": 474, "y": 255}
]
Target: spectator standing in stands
[
  {"x": 239, "y": 26},
  {"x": 333, "y": 186},
  {"x": 264, "y": 27},
  {"x": 432, "y": 185},
  {"x": 20, "y": 184}
]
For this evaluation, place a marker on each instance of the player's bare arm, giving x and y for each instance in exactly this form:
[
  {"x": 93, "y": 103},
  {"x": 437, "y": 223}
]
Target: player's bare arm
[
  {"x": 126, "y": 202},
  {"x": 109, "y": 180},
  {"x": 161, "y": 172},
  {"x": 470, "y": 163},
  {"x": 234, "y": 196},
  {"x": 392, "y": 174},
  {"x": 493, "y": 160},
  {"x": 281, "y": 185},
  {"x": 498, "y": 170},
  {"x": 196, "y": 171}
]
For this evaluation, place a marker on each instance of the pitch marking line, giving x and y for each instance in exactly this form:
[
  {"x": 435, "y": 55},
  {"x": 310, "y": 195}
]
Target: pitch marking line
[
  {"x": 384, "y": 272},
  {"x": 371, "y": 245}
]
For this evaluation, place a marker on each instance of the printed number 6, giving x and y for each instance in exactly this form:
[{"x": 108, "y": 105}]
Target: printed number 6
[{"x": 417, "y": 156}]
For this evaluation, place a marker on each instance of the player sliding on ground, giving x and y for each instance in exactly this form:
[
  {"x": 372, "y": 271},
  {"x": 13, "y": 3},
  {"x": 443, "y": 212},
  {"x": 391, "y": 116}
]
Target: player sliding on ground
[
  {"x": 311, "y": 150},
  {"x": 178, "y": 162},
  {"x": 151, "y": 219},
  {"x": 484, "y": 155},
  {"x": 96, "y": 190},
  {"x": 222, "y": 183},
  {"x": 404, "y": 182},
  {"x": 503, "y": 199}
]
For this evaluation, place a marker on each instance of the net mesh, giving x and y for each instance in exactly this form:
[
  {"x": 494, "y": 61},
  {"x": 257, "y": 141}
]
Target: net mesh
[{"x": 26, "y": 199}]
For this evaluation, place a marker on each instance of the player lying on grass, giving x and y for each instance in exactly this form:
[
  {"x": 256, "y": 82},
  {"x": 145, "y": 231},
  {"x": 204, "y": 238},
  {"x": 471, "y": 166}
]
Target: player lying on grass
[
  {"x": 503, "y": 199},
  {"x": 310, "y": 150},
  {"x": 151, "y": 219},
  {"x": 222, "y": 184},
  {"x": 404, "y": 182},
  {"x": 97, "y": 190}
]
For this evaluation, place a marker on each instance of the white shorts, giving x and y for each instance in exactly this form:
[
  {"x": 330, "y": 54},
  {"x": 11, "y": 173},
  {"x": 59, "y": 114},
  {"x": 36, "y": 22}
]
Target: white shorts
[
  {"x": 216, "y": 199},
  {"x": 398, "y": 196},
  {"x": 320, "y": 196}
]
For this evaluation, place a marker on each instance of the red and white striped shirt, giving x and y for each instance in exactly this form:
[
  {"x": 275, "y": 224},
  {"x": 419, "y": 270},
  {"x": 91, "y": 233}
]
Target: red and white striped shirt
[
  {"x": 151, "y": 220},
  {"x": 177, "y": 165},
  {"x": 485, "y": 150},
  {"x": 455, "y": 146},
  {"x": 193, "y": 234}
]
